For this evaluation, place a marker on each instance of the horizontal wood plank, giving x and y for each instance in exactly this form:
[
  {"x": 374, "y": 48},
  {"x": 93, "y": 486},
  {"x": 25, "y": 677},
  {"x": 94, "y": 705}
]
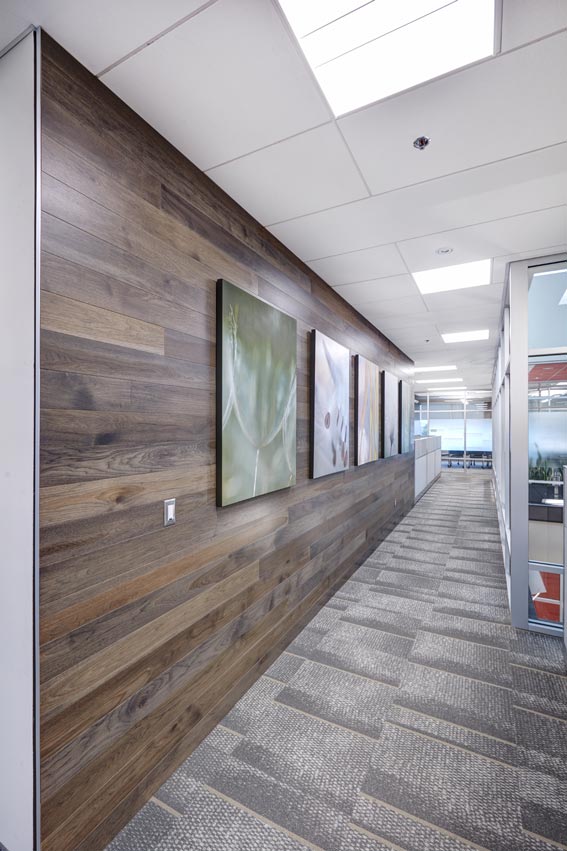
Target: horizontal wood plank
[{"x": 149, "y": 634}]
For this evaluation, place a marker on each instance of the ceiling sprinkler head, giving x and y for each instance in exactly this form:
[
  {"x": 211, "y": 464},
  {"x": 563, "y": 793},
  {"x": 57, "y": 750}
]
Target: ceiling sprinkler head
[
  {"x": 444, "y": 250},
  {"x": 421, "y": 142}
]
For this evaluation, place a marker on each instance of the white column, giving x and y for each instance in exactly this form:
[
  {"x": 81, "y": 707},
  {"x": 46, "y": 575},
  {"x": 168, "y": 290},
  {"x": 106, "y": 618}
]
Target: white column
[{"x": 18, "y": 565}]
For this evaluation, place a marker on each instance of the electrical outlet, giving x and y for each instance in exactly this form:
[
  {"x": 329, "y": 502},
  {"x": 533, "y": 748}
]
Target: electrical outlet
[{"x": 169, "y": 512}]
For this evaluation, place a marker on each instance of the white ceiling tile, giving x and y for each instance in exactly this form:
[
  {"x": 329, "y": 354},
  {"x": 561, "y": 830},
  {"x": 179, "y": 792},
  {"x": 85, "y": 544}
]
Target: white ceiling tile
[
  {"x": 484, "y": 299},
  {"x": 526, "y": 20},
  {"x": 406, "y": 323},
  {"x": 381, "y": 289},
  {"x": 529, "y": 231},
  {"x": 227, "y": 82},
  {"x": 379, "y": 262},
  {"x": 303, "y": 174},
  {"x": 507, "y": 188},
  {"x": 398, "y": 310},
  {"x": 99, "y": 33},
  {"x": 506, "y": 106},
  {"x": 450, "y": 322}
]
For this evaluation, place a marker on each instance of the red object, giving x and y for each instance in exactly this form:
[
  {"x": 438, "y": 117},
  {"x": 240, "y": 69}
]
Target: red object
[
  {"x": 548, "y": 372},
  {"x": 548, "y": 611}
]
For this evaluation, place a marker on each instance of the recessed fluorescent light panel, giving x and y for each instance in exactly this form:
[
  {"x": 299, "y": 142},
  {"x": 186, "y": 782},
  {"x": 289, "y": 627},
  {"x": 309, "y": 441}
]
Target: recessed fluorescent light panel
[
  {"x": 438, "y": 380},
  {"x": 459, "y": 277},
  {"x": 361, "y": 51},
  {"x": 435, "y": 368},
  {"x": 465, "y": 336}
]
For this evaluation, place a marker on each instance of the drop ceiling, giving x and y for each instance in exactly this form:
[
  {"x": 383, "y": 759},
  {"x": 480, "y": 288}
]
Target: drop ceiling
[{"x": 226, "y": 82}]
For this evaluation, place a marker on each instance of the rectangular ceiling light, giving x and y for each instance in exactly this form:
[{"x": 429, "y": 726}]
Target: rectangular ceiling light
[
  {"x": 465, "y": 336},
  {"x": 438, "y": 380},
  {"x": 363, "y": 51},
  {"x": 459, "y": 277},
  {"x": 434, "y": 368}
]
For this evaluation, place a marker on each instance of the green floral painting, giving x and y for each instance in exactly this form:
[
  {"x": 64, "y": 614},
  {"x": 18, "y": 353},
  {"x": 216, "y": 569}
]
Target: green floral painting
[{"x": 256, "y": 396}]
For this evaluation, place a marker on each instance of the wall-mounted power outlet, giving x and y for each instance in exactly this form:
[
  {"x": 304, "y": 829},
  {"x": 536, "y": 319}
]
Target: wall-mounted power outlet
[{"x": 169, "y": 512}]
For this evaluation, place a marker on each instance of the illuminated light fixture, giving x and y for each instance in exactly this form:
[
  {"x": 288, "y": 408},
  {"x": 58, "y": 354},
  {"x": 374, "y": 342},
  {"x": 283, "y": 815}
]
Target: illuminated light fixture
[
  {"x": 438, "y": 380},
  {"x": 446, "y": 278},
  {"x": 465, "y": 336},
  {"x": 435, "y": 368},
  {"x": 361, "y": 52}
]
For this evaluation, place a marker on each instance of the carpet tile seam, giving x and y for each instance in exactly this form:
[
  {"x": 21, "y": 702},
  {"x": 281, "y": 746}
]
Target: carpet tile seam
[
  {"x": 423, "y": 821},
  {"x": 262, "y": 818},
  {"x": 464, "y": 676},
  {"x": 466, "y": 640},
  {"x": 539, "y": 712},
  {"x": 545, "y": 839},
  {"x": 336, "y": 668},
  {"x": 166, "y": 807},
  {"x": 372, "y": 739},
  {"x": 452, "y": 724},
  {"x": 373, "y": 835},
  {"x": 461, "y": 748},
  {"x": 538, "y": 670}
]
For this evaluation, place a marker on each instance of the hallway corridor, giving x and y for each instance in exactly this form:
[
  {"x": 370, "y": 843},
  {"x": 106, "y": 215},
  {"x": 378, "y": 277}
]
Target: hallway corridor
[{"x": 408, "y": 714}]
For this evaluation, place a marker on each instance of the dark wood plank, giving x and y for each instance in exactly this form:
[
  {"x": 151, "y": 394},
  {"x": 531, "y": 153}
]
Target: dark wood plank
[{"x": 149, "y": 634}]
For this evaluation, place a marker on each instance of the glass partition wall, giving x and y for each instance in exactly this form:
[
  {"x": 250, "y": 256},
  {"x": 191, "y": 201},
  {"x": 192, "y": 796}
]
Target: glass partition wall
[
  {"x": 530, "y": 440},
  {"x": 463, "y": 420}
]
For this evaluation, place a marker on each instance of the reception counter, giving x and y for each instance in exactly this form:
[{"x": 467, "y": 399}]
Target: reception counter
[{"x": 427, "y": 463}]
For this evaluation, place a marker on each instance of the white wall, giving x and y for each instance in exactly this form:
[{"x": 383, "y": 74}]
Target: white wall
[{"x": 17, "y": 344}]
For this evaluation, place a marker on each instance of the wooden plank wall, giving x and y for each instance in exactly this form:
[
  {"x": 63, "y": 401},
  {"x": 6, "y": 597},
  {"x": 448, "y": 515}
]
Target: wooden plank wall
[{"x": 150, "y": 634}]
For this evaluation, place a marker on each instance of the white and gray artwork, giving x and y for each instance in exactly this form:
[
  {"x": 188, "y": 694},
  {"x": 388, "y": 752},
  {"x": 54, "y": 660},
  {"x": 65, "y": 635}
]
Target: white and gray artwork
[
  {"x": 406, "y": 417},
  {"x": 390, "y": 423},
  {"x": 330, "y": 405}
]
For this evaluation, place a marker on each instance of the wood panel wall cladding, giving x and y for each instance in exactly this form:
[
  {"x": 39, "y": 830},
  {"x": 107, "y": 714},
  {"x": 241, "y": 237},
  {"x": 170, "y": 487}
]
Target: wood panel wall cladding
[{"x": 150, "y": 634}]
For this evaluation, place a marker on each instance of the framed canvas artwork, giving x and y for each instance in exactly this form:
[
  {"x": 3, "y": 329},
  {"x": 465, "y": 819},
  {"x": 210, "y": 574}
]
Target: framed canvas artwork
[
  {"x": 330, "y": 373},
  {"x": 390, "y": 426},
  {"x": 406, "y": 417},
  {"x": 367, "y": 410},
  {"x": 256, "y": 396}
]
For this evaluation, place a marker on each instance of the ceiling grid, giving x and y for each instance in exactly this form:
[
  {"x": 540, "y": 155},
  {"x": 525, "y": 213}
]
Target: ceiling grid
[{"x": 227, "y": 83}]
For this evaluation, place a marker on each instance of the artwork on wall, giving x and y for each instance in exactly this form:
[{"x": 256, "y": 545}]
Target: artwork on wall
[
  {"x": 330, "y": 371},
  {"x": 390, "y": 427},
  {"x": 367, "y": 411},
  {"x": 406, "y": 417},
  {"x": 256, "y": 396}
]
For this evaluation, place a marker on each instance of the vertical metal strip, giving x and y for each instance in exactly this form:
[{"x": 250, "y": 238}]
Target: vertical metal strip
[
  {"x": 519, "y": 496},
  {"x": 498, "y": 26},
  {"x": 37, "y": 282}
]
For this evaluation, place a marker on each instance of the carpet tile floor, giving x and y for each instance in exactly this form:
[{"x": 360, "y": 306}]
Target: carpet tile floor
[{"x": 409, "y": 715}]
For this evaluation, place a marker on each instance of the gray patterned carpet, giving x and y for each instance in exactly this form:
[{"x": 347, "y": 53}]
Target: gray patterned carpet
[{"x": 408, "y": 715}]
